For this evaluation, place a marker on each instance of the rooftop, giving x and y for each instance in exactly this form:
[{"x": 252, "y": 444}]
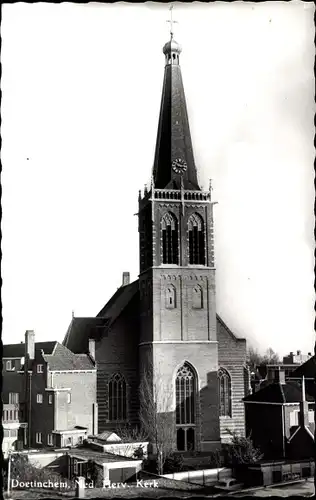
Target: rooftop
[{"x": 290, "y": 392}]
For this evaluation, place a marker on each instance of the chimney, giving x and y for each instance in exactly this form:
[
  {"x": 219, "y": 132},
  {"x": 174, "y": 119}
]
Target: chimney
[
  {"x": 280, "y": 376},
  {"x": 29, "y": 345},
  {"x": 303, "y": 406},
  {"x": 126, "y": 278},
  {"x": 91, "y": 348},
  {"x": 309, "y": 354},
  {"x": 298, "y": 353}
]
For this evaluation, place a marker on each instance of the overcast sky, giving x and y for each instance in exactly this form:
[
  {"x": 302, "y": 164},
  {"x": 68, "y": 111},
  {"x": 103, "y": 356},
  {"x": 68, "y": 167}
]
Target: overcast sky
[{"x": 81, "y": 96}]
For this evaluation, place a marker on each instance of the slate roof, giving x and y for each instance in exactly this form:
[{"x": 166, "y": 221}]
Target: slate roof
[
  {"x": 18, "y": 350},
  {"x": 97, "y": 456},
  {"x": 174, "y": 137},
  {"x": 290, "y": 392},
  {"x": 63, "y": 359},
  {"x": 116, "y": 305},
  {"x": 81, "y": 329},
  {"x": 307, "y": 369}
]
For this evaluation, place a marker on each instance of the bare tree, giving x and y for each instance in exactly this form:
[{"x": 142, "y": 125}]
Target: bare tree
[
  {"x": 156, "y": 417},
  {"x": 256, "y": 359}
]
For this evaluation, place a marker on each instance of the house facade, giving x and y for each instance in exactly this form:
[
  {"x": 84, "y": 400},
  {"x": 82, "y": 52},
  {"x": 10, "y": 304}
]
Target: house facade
[
  {"x": 53, "y": 392},
  {"x": 279, "y": 417}
]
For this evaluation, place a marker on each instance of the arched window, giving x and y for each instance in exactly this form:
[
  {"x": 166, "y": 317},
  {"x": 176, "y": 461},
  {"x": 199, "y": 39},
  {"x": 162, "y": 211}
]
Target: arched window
[
  {"x": 196, "y": 240},
  {"x": 170, "y": 297},
  {"x": 170, "y": 243},
  {"x": 224, "y": 384},
  {"x": 117, "y": 398},
  {"x": 185, "y": 407},
  {"x": 197, "y": 297}
]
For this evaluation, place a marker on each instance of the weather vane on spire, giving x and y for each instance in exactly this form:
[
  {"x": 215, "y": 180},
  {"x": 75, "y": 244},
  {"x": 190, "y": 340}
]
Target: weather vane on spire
[{"x": 171, "y": 21}]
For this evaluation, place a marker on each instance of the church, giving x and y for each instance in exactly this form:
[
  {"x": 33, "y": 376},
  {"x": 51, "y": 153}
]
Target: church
[{"x": 164, "y": 325}]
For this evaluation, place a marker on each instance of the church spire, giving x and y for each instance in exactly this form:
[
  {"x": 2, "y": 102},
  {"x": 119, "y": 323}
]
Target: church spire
[{"x": 174, "y": 159}]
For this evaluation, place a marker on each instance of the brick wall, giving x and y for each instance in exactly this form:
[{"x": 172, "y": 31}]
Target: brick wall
[
  {"x": 264, "y": 424},
  {"x": 118, "y": 353},
  {"x": 42, "y": 414},
  {"x": 203, "y": 359},
  {"x": 232, "y": 357}
]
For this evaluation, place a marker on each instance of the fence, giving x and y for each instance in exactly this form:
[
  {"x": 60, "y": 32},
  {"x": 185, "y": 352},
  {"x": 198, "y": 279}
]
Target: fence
[{"x": 201, "y": 477}]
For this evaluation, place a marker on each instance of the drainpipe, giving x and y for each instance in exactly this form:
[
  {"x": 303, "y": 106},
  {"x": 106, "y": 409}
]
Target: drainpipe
[{"x": 283, "y": 431}]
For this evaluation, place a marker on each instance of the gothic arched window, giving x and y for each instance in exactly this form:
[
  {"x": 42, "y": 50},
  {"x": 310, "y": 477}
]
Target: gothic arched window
[
  {"x": 197, "y": 297},
  {"x": 170, "y": 243},
  {"x": 170, "y": 297},
  {"x": 185, "y": 407},
  {"x": 117, "y": 398},
  {"x": 224, "y": 385},
  {"x": 196, "y": 240}
]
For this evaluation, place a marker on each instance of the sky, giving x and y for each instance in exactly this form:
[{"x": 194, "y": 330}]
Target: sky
[{"x": 81, "y": 88}]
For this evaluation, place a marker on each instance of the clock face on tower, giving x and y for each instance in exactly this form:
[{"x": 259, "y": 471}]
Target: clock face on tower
[{"x": 179, "y": 166}]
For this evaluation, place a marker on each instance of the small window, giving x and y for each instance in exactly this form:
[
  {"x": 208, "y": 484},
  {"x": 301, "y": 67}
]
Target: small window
[
  {"x": 9, "y": 365},
  {"x": 40, "y": 369},
  {"x": 5, "y": 415},
  {"x": 13, "y": 398},
  {"x": 38, "y": 438},
  {"x": 6, "y": 433},
  {"x": 39, "y": 398},
  {"x": 75, "y": 467},
  {"x": 311, "y": 416},
  {"x": 68, "y": 398},
  {"x": 80, "y": 440},
  {"x": 50, "y": 399},
  {"x": 170, "y": 297},
  {"x": 69, "y": 441},
  {"x": 50, "y": 440}
]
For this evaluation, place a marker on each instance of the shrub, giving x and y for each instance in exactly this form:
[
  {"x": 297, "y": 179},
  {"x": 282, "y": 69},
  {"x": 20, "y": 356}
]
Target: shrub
[
  {"x": 241, "y": 451},
  {"x": 173, "y": 463}
]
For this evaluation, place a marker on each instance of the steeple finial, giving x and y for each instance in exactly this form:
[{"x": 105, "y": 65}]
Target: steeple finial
[{"x": 171, "y": 21}]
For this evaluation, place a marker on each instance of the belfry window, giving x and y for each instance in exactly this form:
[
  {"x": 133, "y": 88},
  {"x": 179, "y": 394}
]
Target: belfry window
[
  {"x": 170, "y": 243},
  {"x": 185, "y": 408},
  {"x": 117, "y": 398},
  {"x": 196, "y": 240},
  {"x": 224, "y": 386}
]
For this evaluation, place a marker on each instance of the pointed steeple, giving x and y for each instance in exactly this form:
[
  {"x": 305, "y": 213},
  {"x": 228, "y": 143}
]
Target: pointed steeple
[{"x": 174, "y": 157}]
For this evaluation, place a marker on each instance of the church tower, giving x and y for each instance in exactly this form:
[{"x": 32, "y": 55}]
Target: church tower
[{"x": 177, "y": 277}]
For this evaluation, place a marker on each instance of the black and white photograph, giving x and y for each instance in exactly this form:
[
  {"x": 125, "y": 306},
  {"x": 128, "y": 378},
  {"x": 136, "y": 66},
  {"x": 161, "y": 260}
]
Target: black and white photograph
[{"x": 158, "y": 244}]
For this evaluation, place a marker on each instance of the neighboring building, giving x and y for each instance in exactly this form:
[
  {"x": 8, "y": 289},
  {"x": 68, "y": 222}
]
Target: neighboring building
[
  {"x": 276, "y": 415},
  {"x": 14, "y": 414},
  {"x": 296, "y": 359},
  {"x": 268, "y": 373},
  {"x": 165, "y": 323},
  {"x": 54, "y": 389}
]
